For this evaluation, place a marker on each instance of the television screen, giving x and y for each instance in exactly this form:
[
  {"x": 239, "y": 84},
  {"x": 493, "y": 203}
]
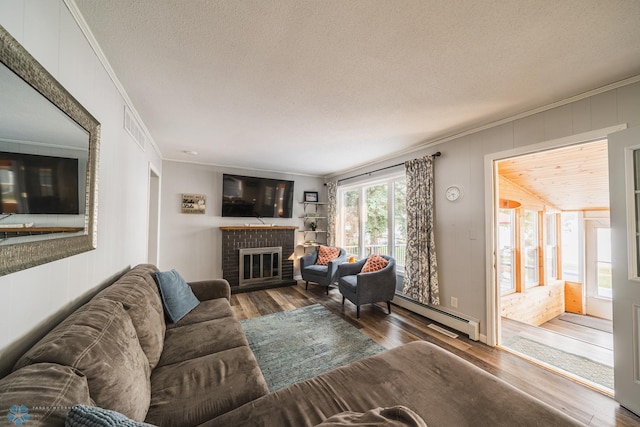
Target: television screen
[
  {"x": 33, "y": 184},
  {"x": 245, "y": 196}
]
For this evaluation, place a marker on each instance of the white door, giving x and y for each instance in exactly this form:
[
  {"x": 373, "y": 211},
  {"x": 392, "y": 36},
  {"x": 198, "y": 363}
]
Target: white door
[{"x": 624, "y": 187}]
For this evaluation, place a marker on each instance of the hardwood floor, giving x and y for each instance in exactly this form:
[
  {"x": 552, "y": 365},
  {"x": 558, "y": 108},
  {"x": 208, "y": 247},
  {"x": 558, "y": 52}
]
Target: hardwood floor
[{"x": 580, "y": 402}]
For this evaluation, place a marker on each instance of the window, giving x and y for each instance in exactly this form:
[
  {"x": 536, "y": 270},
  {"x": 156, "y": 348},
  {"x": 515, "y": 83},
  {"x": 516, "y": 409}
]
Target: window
[
  {"x": 551, "y": 247},
  {"x": 572, "y": 242},
  {"x": 530, "y": 248},
  {"x": 603, "y": 262},
  {"x": 372, "y": 218},
  {"x": 400, "y": 221},
  {"x": 350, "y": 215},
  {"x": 376, "y": 234},
  {"x": 46, "y": 181},
  {"x": 506, "y": 245}
]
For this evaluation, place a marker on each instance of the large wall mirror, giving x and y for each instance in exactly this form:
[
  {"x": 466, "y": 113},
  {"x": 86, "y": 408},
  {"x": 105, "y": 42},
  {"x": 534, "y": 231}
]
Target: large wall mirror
[{"x": 49, "y": 150}]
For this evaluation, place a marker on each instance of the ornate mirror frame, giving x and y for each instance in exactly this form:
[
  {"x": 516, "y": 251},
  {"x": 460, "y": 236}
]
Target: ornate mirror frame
[{"x": 20, "y": 256}]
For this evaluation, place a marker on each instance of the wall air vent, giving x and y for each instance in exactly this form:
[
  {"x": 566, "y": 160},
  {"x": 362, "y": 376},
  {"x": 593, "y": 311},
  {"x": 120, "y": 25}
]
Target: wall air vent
[{"x": 133, "y": 128}]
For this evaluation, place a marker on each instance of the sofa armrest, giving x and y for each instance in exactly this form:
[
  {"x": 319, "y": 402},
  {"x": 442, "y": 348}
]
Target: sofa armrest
[{"x": 211, "y": 289}]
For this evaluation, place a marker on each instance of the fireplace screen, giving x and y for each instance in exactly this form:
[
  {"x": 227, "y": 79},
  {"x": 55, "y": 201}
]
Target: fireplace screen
[{"x": 260, "y": 265}]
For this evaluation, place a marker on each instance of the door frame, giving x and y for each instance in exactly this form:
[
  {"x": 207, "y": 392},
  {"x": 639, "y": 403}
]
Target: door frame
[
  {"x": 153, "y": 215},
  {"x": 491, "y": 209}
]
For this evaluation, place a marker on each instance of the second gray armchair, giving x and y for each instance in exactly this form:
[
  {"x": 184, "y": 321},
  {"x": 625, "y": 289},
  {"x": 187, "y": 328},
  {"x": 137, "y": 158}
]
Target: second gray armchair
[{"x": 365, "y": 288}]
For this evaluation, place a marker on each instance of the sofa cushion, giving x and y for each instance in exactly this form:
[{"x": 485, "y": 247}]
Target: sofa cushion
[
  {"x": 350, "y": 283},
  {"x": 92, "y": 416},
  {"x": 43, "y": 392},
  {"x": 144, "y": 272},
  {"x": 206, "y": 310},
  {"x": 100, "y": 341},
  {"x": 318, "y": 269},
  {"x": 197, "y": 390},
  {"x": 144, "y": 306},
  {"x": 177, "y": 297},
  {"x": 201, "y": 339}
]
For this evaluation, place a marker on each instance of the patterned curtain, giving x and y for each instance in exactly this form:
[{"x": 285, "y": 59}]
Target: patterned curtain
[
  {"x": 332, "y": 195},
  {"x": 421, "y": 268}
]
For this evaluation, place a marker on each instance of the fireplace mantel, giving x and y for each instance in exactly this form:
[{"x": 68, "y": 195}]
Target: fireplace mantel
[{"x": 259, "y": 227}]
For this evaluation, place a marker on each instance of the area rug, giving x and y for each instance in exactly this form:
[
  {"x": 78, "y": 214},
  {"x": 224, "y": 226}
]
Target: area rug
[
  {"x": 298, "y": 344},
  {"x": 588, "y": 321},
  {"x": 577, "y": 365}
]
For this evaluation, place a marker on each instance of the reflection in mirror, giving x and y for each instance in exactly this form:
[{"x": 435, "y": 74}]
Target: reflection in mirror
[
  {"x": 43, "y": 166},
  {"x": 48, "y": 165}
]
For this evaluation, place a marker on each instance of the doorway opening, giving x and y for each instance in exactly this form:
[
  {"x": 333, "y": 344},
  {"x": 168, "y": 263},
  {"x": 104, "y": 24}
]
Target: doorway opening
[
  {"x": 553, "y": 260},
  {"x": 153, "y": 217}
]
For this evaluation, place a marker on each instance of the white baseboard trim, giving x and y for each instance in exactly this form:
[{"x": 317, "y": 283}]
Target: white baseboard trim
[{"x": 465, "y": 325}]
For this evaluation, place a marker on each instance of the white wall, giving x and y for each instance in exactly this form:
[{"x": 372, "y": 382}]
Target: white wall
[
  {"x": 191, "y": 243},
  {"x": 460, "y": 233},
  {"x": 33, "y": 297}
]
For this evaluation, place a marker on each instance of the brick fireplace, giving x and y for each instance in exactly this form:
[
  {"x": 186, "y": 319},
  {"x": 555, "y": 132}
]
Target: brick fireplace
[{"x": 235, "y": 238}]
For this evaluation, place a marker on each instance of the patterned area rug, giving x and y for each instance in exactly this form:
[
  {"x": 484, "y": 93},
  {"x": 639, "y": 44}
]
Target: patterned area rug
[
  {"x": 577, "y": 365},
  {"x": 295, "y": 345}
]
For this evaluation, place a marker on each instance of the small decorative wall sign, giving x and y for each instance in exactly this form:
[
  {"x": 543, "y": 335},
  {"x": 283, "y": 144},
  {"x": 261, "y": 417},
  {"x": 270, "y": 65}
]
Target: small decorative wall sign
[
  {"x": 311, "y": 196},
  {"x": 194, "y": 203}
]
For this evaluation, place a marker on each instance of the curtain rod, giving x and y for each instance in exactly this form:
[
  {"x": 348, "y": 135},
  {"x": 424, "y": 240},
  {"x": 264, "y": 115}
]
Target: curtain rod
[{"x": 434, "y": 155}]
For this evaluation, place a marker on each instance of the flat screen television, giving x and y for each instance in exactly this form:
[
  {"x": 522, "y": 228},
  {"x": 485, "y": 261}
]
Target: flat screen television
[
  {"x": 34, "y": 184},
  {"x": 246, "y": 196}
]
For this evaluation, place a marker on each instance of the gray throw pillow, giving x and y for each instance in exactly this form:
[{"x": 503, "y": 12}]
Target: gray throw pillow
[
  {"x": 177, "y": 297},
  {"x": 90, "y": 416}
]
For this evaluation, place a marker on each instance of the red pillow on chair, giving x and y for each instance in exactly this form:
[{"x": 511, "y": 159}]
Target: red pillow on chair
[
  {"x": 326, "y": 254},
  {"x": 374, "y": 263}
]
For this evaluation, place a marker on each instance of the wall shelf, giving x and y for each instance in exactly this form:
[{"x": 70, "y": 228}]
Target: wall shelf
[{"x": 314, "y": 212}]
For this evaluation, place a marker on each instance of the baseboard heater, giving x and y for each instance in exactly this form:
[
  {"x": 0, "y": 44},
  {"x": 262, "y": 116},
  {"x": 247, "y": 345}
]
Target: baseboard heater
[{"x": 466, "y": 326}]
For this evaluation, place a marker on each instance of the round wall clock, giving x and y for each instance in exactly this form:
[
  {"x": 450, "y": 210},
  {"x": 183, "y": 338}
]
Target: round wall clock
[{"x": 453, "y": 193}]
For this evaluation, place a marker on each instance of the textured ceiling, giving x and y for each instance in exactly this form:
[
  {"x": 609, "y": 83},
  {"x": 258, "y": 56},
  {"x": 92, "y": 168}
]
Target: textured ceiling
[{"x": 324, "y": 86}]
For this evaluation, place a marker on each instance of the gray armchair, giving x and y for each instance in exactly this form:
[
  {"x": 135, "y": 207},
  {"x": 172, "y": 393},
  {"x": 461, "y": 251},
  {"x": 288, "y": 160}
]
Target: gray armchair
[
  {"x": 324, "y": 275},
  {"x": 366, "y": 288}
]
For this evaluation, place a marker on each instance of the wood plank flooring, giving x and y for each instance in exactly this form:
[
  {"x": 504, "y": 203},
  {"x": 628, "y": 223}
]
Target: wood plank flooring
[{"x": 578, "y": 401}]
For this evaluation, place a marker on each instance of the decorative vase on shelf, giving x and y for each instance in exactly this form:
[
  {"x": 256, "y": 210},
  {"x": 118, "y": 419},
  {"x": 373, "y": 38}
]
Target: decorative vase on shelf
[{"x": 313, "y": 226}]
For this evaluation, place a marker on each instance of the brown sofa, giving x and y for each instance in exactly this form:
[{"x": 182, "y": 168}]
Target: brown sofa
[
  {"x": 441, "y": 388},
  {"x": 117, "y": 352}
]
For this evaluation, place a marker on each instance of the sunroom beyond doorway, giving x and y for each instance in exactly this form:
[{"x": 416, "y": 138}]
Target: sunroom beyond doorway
[{"x": 554, "y": 259}]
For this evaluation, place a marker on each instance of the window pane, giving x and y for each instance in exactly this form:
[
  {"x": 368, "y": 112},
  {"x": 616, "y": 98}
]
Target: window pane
[
  {"x": 530, "y": 240},
  {"x": 376, "y": 231},
  {"x": 570, "y": 246},
  {"x": 351, "y": 222},
  {"x": 506, "y": 245},
  {"x": 400, "y": 221},
  {"x": 603, "y": 237},
  {"x": 551, "y": 250}
]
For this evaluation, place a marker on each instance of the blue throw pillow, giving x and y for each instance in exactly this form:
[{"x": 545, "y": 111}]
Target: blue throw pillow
[
  {"x": 90, "y": 416},
  {"x": 177, "y": 297}
]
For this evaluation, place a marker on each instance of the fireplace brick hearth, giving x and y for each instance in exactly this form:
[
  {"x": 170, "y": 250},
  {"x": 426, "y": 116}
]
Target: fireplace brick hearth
[{"x": 235, "y": 238}]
